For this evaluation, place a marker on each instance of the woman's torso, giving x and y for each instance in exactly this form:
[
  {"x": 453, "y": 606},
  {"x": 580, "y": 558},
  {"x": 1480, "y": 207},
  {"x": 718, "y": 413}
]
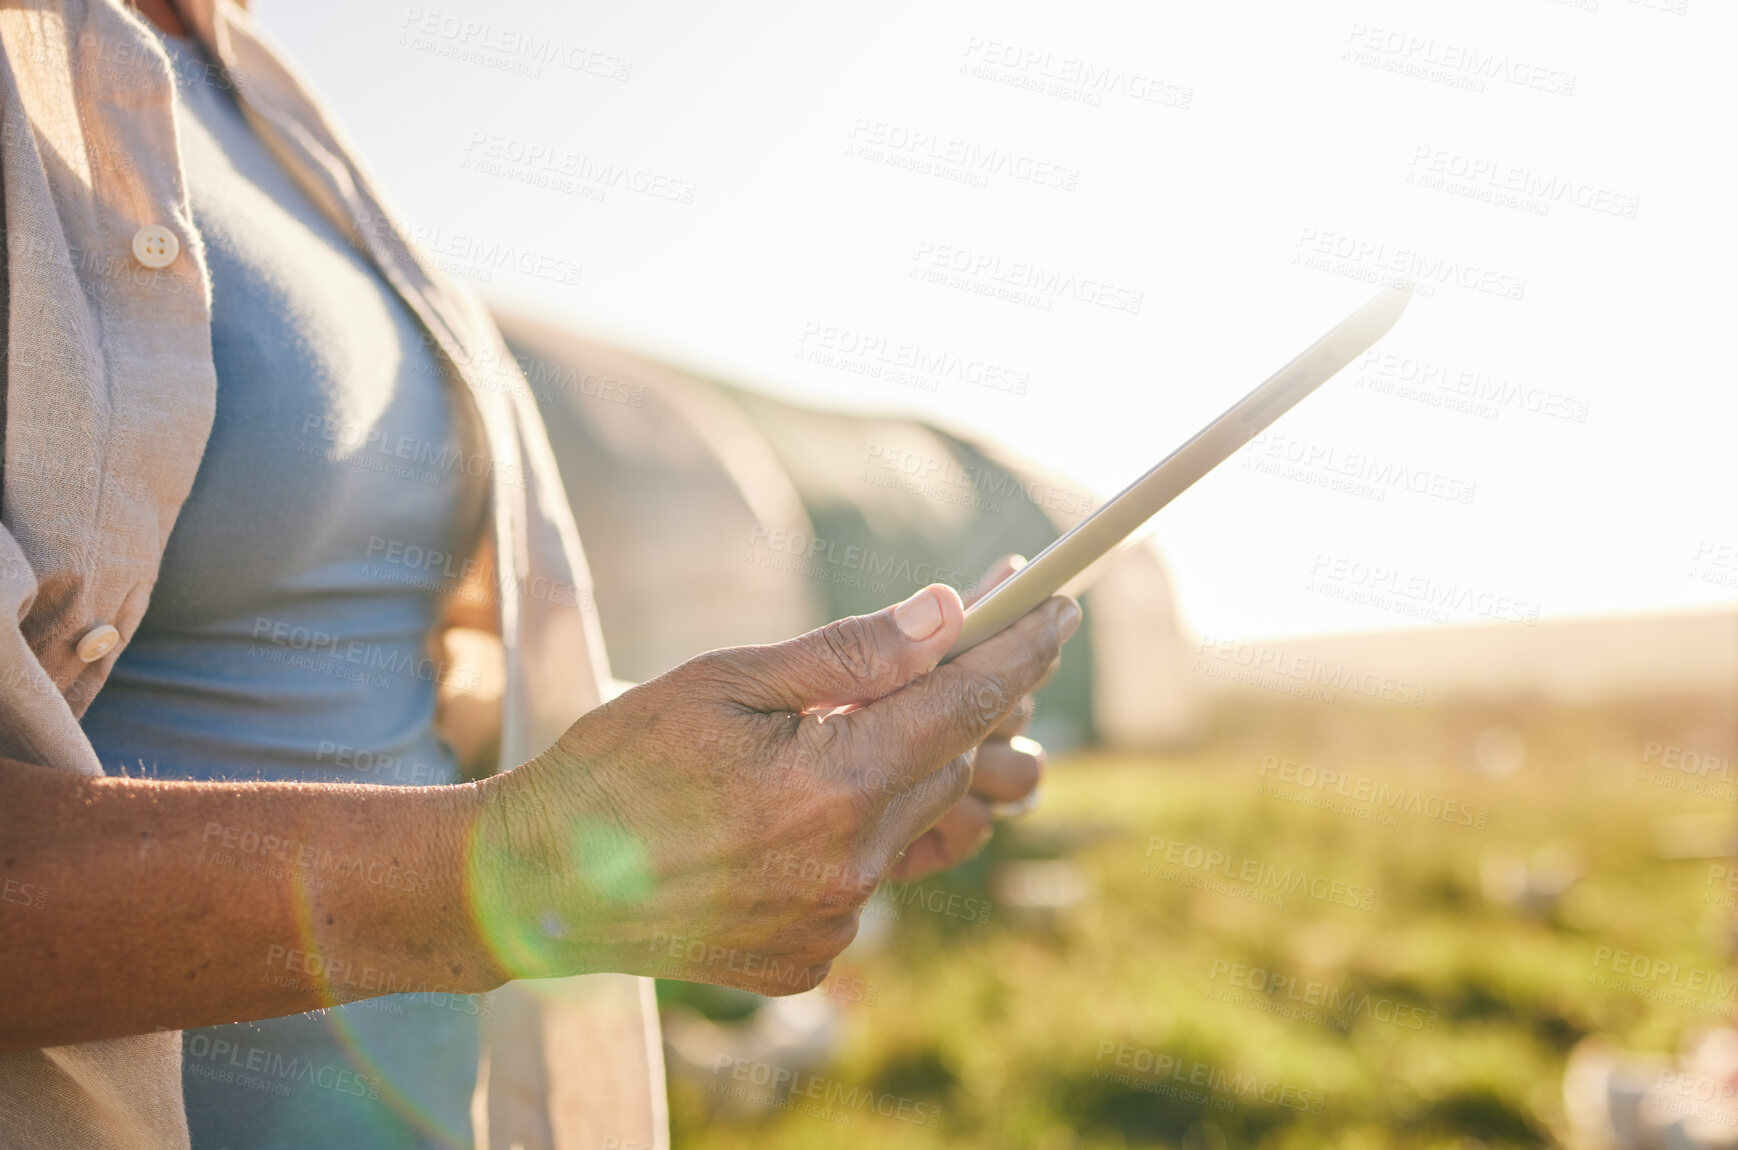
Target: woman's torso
[{"x": 287, "y": 633}]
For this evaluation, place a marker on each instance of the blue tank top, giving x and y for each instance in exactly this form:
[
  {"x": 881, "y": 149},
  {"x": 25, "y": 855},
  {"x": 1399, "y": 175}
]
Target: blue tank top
[{"x": 287, "y": 634}]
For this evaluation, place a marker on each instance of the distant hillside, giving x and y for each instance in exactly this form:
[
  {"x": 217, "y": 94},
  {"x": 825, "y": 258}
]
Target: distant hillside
[{"x": 1566, "y": 660}]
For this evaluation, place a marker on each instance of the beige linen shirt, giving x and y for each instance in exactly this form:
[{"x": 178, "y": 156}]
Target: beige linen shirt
[{"x": 109, "y": 398}]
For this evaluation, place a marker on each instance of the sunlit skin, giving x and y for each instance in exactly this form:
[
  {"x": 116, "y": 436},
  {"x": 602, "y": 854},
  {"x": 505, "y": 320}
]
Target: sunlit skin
[{"x": 161, "y": 13}]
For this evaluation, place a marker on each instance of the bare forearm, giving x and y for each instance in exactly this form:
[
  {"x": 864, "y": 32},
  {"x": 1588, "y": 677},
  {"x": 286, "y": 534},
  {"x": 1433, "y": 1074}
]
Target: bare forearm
[
  {"x": 180, "y": 904},
  {"x": 134, "y": 905}
]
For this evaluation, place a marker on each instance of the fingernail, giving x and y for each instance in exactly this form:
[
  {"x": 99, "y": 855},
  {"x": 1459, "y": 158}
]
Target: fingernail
[
  {"x": 1068, "y": 621},
  {"x": 918, "y": 617}
]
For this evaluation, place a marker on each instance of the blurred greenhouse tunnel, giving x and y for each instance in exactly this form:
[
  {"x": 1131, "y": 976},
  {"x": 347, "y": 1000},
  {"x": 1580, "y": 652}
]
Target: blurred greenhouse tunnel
[{"x": 713, "y": 516}]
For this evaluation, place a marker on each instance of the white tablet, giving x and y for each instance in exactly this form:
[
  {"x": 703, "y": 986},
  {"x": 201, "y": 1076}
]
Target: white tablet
[{"x": 1065, "y": 563}]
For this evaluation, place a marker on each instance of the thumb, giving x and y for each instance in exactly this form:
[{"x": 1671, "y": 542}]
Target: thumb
[{"x": 857, "y": 659}]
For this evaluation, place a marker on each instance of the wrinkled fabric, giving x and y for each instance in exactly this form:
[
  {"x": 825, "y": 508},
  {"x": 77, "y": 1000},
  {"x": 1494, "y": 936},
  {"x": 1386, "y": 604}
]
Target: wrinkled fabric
[{"x": 109, "y": 400}]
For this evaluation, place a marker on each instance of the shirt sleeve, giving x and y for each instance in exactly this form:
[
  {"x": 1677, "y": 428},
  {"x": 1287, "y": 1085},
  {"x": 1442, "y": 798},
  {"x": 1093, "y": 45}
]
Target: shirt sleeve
[{"x": 37, "y": 724}]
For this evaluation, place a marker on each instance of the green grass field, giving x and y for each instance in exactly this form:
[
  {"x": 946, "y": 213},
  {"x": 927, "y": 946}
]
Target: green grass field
[{"x": 1287, "y": 975}]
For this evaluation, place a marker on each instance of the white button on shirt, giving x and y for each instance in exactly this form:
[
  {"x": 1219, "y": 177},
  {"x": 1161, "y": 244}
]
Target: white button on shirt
[
  {"x": 97, "y": 642},
  {"x": 155, "y": 246}
]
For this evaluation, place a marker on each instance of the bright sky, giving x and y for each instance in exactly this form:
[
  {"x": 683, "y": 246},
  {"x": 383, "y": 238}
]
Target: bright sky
[{"x": 1171, "y": 201}]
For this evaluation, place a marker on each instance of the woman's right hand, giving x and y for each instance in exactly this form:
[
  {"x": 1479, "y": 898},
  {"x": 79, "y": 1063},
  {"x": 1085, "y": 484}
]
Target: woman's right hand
[{"x": 711, "y": 826}]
